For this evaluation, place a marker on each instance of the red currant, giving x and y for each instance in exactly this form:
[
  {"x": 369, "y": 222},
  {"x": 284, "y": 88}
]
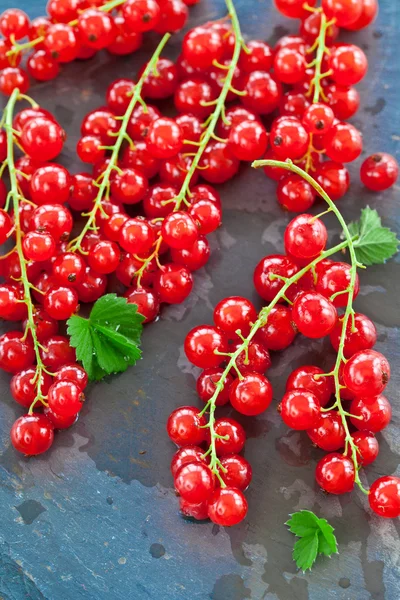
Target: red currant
[
  {"x": 32, "y": 434},
  {"x": 251, "y": 395},
  {"x": 24, "y": 386},
  {"x": 194, "y": 482},
  {"x": 236, "y": 436},
  {"x": 141, "y": 15},
  {"x": 384, "y": 497},
  {"x": 294, "y": 193},
  {"x": 367, "y": 373},
  {"x": 263, "y": 92},
  {"x": 65, "y": 398},
  {"x": 72, "y": 372},
  {"x": 279, "y": 331},
  {"x": 57, "y": 352},
  {"x": 305, "y": 237},
  {"x": 227, "y": 507},
  {"x": 193, "y": 258},
  {"x": 334, "y": 178},
  {"x": 186, "y": 427},
  {"x": 335, "y": 474},
  {"x": 367, "y": 447},
  {"x": 343, "y": 143},
  {"x": 49, "y": 183},
  {"x": 60, "y": 303},
  {"x": 16, "y": 354},
  {"x": 201, "y": 344},
  {"x": 329, "y": 434},
  {"x": 314, "y": 315},
  {"x": 370, "y": 414},
  {"x": 348, "y": 64},
  {"x": 173, "y": 283},
  {"x": 379, "y": 172},
  {"x": 312, "y": 379},
  {"x": 238, "y": 472}
]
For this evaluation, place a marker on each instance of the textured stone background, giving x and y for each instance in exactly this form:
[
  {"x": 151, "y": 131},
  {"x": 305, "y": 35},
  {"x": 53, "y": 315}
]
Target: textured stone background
[{"x": 96, "y": 519}]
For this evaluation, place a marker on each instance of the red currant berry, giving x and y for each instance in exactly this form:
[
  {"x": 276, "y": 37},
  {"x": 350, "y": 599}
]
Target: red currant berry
[
  {"x": 42, "y": 139},
  {"x": 59, "y": 421},
  {"x": 251, "y": 395},
  {"x": 384, "y": 497},
  {"x": 128, "y": 268},
  {"x": 311, "y": 26},
  {"x": 194, "y": 482},
  {"x": 92, "y": 286},
  {"x": 370, "y": 413},
  {"x": 164, "y": 138},
  {"x": 368, "y": 14},
  {"x": 96, "y": 29},
  {"x": 32, "y": 434},
  {"x": 83, "y": 192},
  {"x": 265, "y": 280},
  {"x": 343, "y": 143},
  {"x": 104, "y": 257},
  {"x": 263, "y": 92},
  {"x": 318, "y": 118},
  {"x": 173, "y": 283},
  {"x": 185, "y": 426},
  {"x": 279, "y": 331},
  {"x": 42, "y": 66},
  {"x": 344, "y": 100},
  {"x": 6, "y": 225},
  {"x": 257, "y": 58},
  {"x": 238, "y": 472},
  {"x": 293, "y": 104},
  {"x": 218, "y": 163},
  {"x": 235, "y": 313},
  {"x": 289, "y": 66},
  {"x": 12, "y": 78},
  {"x": 63, "y": 11},
  {"x": 202, "y": 46},
  {"x": 289, "y": 139},
  {"x": 348, "y": 65},
  {"x": 379, "y": 172},
  {"x": 345, "y": 12},
  {"x": 194, "y": 511},
  {"x": 336, "y": 280},
  {"x": 65, "y": 398},
  {"x": 49, "y": 183},
  {"x": 300, "y": 409},
  {"x": 60, "y": 303},
  {"x": 193, "y": 258},
  {"x": 69, "y": 268},
  {"x": 16, "y": 354},
  {"x": 335, "y": 474},
  {"x": 201, "y": 345},
  {"x": 146, "y": 301},
  {"x": 207, "y": 382},
  {"x": 295, "y": 194},
  {"x": 227, "y": 507},
  {"x": 90, "y": 150},
  {"x": 14, "y": 23},
  {"x": 164, "y": 84},
  {"x": 294, "y": 9},
  {"x": 334, "y": 178},
  {"x": 366, "y": 373},
  {"x": 248, "y": 140},
  {"x": 72, "y": 372},
  {"x": 179, "y": 230},
  {"x": 38, "y": 246},
  {"x": 329, "y": 434},
  {"x": 235, "y": 434},
  {"x": 305, "y": 237},
  {"x": 367, "y": 447},
  {"x": 185, "y": 455},
  {"x": 312, "y": 379},
  {"x": 102, "y": 124},
  {"x": 62, "y": 42},
  {"x": 141, "y": 15},
  {"x": 361, "y": 334},
  {"x": 119, "y": 95},
  {"x": 24, "y": 386},
  {"x": 314, "y": 315},
  {"x": 11, "y": 309},
  {"x": 57, "y": 352},
  {"x": 136, "y": 237},
  {"x": 256, "y": 360}
]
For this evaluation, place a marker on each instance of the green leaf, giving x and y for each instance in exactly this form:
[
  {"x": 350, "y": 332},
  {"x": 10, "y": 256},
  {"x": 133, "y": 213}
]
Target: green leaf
[
  {"x": 316, "y": 535},
  {"x": 328, "y": 545},
  {"x": 375, "y": 244},
  {"x": 302, "y": 523},
  {"x": 305, "y": 551},
  {"x": 108, "y": 341}
]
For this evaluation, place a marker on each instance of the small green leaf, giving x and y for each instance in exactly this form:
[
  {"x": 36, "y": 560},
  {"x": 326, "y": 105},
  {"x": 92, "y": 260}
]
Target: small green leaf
[
  {"x": 305, "y": 551},
  {"x": 316, "y": 535},
  {"x": 302, "y": 523},
  {"x": 108, "y": 341},
  {"x": 375, "y": 244}
]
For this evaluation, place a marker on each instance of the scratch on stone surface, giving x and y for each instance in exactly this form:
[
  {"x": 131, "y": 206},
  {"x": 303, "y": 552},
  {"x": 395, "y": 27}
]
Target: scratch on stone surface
[{"x": 141, "y": 463}]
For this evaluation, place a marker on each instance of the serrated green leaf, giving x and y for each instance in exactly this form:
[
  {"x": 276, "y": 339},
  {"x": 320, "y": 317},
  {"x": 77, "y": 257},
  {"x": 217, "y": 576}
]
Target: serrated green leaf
[
  {"x": 375, "y": 244},
  {"x": 305, "y": 551},
  {"x": 327, "y": 539},
  {"x": 303, "y": 523},
  {"x": 108, "y": 341}
]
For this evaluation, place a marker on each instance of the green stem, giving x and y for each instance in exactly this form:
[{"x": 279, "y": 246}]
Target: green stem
[
  {"x": 209, "y": 132},
  {"x": 27, "y": 286},
  {"x": 289, "y": 166},
  {"x": 320, "y": 46},
  {"x": 104, "y": 184},
  {"x": 219, "y": 106}
]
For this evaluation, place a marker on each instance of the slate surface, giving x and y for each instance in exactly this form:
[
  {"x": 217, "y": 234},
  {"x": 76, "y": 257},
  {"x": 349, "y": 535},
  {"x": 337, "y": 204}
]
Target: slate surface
[{"x": 95, "y": 519}]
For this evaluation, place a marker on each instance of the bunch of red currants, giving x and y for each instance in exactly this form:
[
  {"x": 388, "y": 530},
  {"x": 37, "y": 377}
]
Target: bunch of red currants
[{"x": 77, "y": 30}]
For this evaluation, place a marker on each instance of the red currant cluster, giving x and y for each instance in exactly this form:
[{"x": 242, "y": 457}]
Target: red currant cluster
[
  {"x": 42, "y": 362},
  {"x": 78, "y": 29},
  {"x": 322, "y": 73},
  {"x": 304, "y": 289}
]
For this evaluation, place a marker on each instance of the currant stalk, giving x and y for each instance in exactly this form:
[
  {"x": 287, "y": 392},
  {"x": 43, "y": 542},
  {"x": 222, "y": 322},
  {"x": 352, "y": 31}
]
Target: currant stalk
[
  {"x": 104, "y": 181},
  {"x": 17, "y": 48},
  {"x": 209, "y": 126},
  {"x": 320, "y": 49},
  {"x": 17, "y": 198}
]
